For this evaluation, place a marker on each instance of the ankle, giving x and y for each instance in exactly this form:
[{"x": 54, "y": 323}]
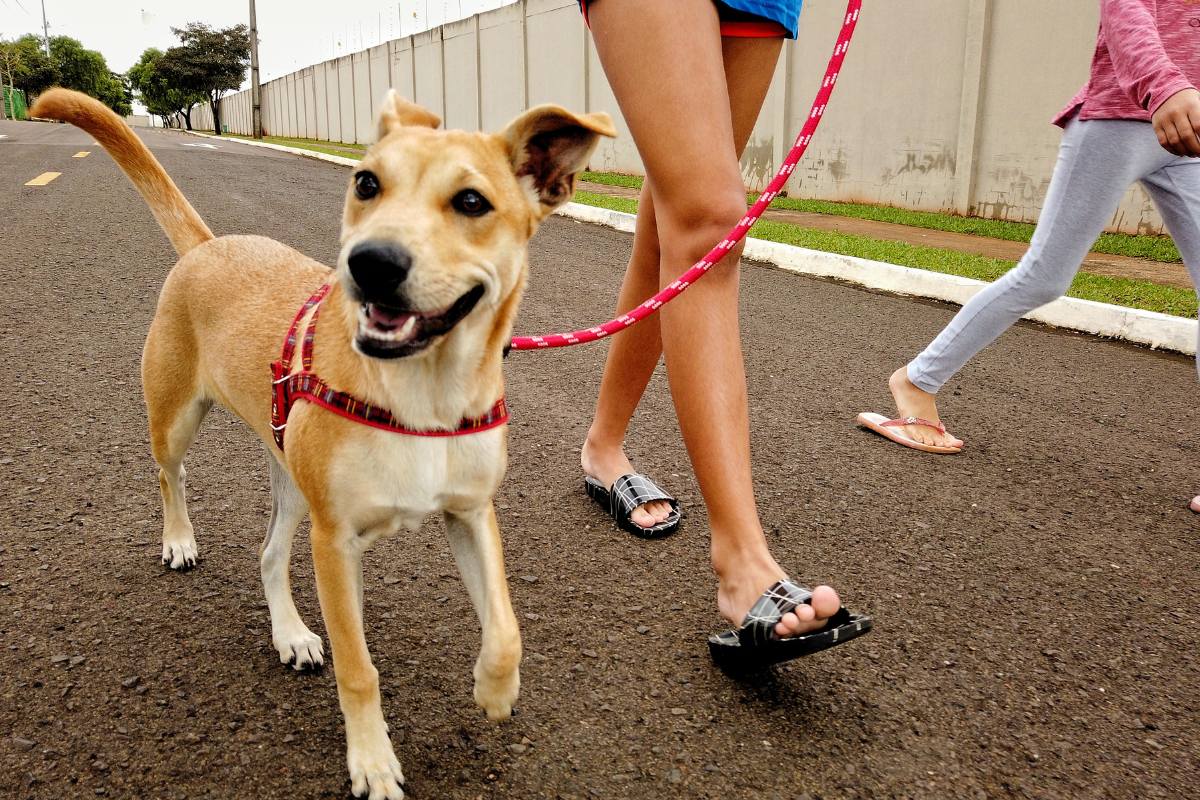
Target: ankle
[
  {"x": 750, "y": 556},
  {"x": 603, "y": 459},
  {"x": 899, "y": 381},
  {"x": 902, "y": 387},
  {"x": 596, "y": 445}
]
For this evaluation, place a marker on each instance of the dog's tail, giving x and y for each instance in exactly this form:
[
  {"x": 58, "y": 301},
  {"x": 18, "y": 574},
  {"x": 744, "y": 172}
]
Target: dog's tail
[{"x": 174, "y": 213}]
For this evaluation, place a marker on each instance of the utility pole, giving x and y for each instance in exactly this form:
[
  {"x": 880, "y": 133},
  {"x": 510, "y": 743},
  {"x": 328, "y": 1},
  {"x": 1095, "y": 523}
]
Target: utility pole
[
  {"x": 255, "y": 89},
  {"x": 45, "y": 29}
]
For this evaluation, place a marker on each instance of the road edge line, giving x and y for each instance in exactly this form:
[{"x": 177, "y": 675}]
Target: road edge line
[
  {"x": 299, "y": 151},
  {"x": 1151, "y": 328}
]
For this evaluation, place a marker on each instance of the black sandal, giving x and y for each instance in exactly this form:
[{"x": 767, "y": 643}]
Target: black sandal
[
  {"x": 755, "y": 644},
  {"x": 627, "y": 493}
]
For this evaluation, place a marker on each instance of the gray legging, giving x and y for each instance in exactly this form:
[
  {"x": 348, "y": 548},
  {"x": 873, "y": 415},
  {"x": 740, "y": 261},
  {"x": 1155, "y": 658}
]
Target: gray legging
[{"x": 1098, "y": 160}]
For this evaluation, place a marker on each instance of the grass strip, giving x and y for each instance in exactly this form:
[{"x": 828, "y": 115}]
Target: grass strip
[
  {"x": 1127, "y": 292},
  {"x": 1154, "y": 248},
  {"x": 328, "y": 148}
]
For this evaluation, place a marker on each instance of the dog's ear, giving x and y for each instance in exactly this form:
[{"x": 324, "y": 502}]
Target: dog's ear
[
  {"x": 548, "y": 145},
  {"x": 397, "y": 112}
]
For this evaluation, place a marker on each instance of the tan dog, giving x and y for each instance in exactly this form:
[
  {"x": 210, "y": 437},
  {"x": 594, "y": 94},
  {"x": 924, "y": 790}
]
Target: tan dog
[{"x": 432, "y": 267}]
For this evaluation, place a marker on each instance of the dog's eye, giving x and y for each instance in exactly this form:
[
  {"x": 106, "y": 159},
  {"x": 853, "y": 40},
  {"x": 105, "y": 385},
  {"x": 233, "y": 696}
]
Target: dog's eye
[
  {"x": 471, "y": 203},
  {"x": 366, "y": 185}
]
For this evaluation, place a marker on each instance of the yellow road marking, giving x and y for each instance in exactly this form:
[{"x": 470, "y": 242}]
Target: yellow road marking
[
  {"x": 81, "y": 154},
  {"x": 43, "y": 179}
]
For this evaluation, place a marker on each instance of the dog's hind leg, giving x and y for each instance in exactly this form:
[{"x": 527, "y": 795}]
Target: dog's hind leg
[
  {"x": 297, "y": 645},
  {"x": 475, "y": 540},
  {"x": 175, "y": 407}
]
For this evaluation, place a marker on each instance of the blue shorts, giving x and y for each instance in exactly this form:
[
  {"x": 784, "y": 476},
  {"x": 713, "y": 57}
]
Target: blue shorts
[
  {"x": 750, "y": 18},
  {"x": 783, "y": 12}
]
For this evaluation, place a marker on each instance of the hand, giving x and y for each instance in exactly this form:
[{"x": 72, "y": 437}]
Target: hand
[{"x": 1177, "y": 121}]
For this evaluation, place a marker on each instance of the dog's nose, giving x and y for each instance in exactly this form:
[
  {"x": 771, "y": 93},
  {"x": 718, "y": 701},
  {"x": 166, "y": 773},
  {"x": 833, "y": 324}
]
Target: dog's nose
[{"x": 379, "y": 267}]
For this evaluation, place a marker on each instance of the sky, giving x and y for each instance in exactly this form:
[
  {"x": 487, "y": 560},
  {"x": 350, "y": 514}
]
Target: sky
[{"x": 292, "y": 33}]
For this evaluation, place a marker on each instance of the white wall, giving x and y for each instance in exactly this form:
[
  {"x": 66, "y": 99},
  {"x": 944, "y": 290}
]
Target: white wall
[{"x": 942, "y": 105}]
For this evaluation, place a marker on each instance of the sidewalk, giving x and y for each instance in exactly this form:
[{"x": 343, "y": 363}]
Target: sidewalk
[{"x": 1113, "y": 266}]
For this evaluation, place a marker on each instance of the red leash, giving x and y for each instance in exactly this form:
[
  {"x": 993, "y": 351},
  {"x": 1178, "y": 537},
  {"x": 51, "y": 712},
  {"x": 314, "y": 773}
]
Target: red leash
[{"x": 676, "y": 287}]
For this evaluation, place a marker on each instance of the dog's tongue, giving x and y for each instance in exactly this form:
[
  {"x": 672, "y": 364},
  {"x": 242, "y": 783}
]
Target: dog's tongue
[{"x": 386, "y": 318}]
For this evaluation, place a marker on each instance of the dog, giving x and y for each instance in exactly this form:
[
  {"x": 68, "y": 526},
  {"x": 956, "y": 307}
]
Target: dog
[{"x": 416, "y": 319}]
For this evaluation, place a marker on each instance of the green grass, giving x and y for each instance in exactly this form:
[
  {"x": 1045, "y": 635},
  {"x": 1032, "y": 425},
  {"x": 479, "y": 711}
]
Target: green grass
[
  {"x": 626, "y": 204},
  {"x": 329, "y": 148},
  {"x": 1155, "y": 248},
  {"x": 1088, "y": 286},
  {"x": 612, "y": 179}
]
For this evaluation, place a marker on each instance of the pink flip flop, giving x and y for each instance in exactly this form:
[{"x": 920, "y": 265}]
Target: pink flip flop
[
  {"x": 890, "y": 429},
  {"x": 1195, "y": 504}
]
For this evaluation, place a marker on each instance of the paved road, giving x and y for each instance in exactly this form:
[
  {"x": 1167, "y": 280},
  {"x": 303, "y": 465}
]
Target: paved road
[{"x": 1036, "y": 597}]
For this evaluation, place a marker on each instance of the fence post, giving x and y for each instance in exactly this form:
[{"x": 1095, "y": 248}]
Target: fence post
[
  {"x": 979, "y": 13},
  {"x": 525, "y": 51},
  {"x": 478, "y": 75}
]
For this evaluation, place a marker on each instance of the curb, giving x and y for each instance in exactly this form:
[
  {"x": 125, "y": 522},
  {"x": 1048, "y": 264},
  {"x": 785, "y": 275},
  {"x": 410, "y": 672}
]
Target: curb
[{"x": 1158, "y": 331}]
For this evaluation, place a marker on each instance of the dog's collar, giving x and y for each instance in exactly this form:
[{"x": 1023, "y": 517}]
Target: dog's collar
[{"x": 288, "y": 387}]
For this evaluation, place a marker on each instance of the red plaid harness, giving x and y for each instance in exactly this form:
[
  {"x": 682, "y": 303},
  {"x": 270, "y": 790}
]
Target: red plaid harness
[{"x": 288, "y": 387}]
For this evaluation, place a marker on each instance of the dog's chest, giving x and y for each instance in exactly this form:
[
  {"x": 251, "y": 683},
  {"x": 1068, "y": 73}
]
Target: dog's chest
[{"x": 386, "y": 481}]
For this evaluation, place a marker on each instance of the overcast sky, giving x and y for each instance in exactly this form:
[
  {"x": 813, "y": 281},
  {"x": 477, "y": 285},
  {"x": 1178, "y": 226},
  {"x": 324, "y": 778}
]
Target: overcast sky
[{"x": 292, "y": 33}]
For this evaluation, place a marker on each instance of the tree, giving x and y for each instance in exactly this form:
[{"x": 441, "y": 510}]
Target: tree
[
  {"x": 86, "y": 71},
  {"x": 208, "y": 62},
  {"x": 157, "y": 92},
  {"x": 35, "y": 71},
  {"x": 10, "y": 62}
]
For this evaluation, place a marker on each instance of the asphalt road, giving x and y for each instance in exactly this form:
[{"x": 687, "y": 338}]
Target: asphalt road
[{"x": 1035, "y": 598}]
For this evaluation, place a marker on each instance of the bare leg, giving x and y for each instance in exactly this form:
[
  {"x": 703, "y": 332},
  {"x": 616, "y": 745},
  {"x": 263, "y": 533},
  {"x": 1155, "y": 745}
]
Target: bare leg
[
  {"x": 632, "y": 357},
  {"x": 688, "y": 128}
]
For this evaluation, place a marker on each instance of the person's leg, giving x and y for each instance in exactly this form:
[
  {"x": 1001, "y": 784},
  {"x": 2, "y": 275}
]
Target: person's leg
[
  {"x": 670, "y": 72},
  {"x": 632, "y": 357},
  {"x": 1097, "y": 162},
  {"x": 1176, "y": 192}
]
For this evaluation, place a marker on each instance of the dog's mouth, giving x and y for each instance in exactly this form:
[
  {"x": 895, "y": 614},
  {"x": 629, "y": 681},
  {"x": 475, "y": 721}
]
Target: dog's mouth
[{"x": 390, "y": 332}]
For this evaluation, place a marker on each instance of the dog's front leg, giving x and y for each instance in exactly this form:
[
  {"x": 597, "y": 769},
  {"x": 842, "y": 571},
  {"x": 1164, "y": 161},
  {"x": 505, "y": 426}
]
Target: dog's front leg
[
  {"x": 475, "y": 539},
  {"x": 337, "y": 560}
]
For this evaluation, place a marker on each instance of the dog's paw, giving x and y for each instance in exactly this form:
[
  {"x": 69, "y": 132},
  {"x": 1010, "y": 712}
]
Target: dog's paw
[
  {"x": 179, "y": 555},
  {"x": 497, "y": 694},
  {"x": 301, "y": 649},
  {"x": 377, "y": 775}
]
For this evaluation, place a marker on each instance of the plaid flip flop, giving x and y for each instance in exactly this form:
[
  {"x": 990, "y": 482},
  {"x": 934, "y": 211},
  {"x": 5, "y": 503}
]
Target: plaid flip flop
[
  {"x": 627, "y": 493},
  {"x": 755, "y": 645}
]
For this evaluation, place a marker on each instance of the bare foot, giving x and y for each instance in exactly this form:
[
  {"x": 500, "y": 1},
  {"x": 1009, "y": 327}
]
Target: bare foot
[
  {"x": 742, "y": 584},
  {"x": 1195, "y": 504},
  {"x": 914, "y": 402},
  {"x": 606, "y": 465}
]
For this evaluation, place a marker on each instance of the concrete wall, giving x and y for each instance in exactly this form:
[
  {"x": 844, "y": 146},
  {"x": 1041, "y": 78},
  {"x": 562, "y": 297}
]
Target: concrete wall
[{"x": 943, "y": 105}]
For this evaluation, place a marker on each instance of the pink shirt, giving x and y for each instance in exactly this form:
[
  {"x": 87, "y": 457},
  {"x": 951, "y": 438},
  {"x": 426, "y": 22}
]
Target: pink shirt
[{"x": 1147, "y": 50}]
